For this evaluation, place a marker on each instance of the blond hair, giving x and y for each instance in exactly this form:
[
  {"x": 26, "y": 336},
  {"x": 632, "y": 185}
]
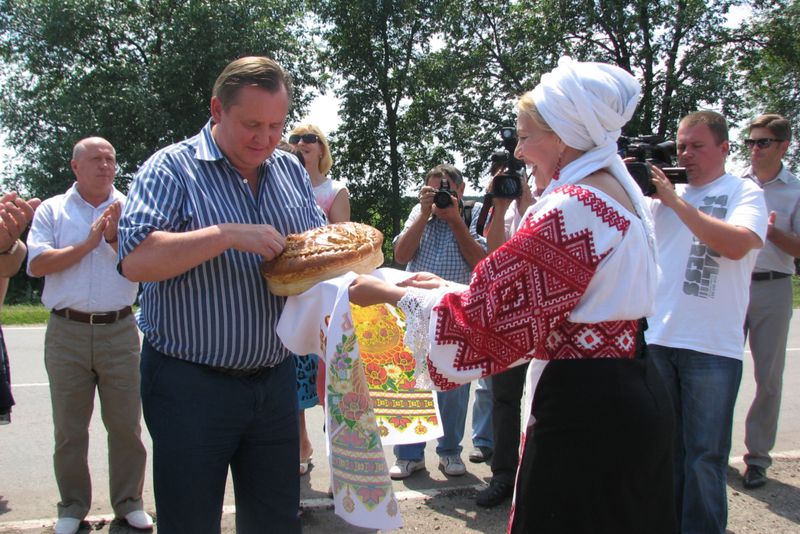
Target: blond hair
[
  {"x": 526, "y": 105},
  {"x": 325, "y": 161}
]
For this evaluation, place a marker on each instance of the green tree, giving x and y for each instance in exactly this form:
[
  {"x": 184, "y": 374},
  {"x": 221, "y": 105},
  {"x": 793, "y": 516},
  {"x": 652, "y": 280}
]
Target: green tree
[
  {"x": 137, "y": 72},
  {"x": 678, "y": 50},
  {"x": 374, "y": 48},
  {"x": 769, "y": 59}
]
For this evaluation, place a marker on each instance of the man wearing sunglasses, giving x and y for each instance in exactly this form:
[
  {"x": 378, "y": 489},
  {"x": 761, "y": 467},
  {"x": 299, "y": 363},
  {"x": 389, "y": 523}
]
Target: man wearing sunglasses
[{"x": 770, "y": 309}]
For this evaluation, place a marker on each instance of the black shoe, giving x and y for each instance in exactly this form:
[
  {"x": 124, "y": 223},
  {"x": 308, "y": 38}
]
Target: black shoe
[
  {"x": 495, "y": 494},
  {"x": 754, "y": 477},
  {"x": 480, "y": 454}
]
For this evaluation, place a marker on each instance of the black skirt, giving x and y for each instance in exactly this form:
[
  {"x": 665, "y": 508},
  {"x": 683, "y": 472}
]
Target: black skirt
[{"x": 599, "y": 457}]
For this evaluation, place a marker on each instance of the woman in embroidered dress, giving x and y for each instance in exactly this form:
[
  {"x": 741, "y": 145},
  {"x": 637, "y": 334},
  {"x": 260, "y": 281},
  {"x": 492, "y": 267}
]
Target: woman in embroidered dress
[
  {"x": 566, "y": 291},
  {"x": 332, "y": 197}
]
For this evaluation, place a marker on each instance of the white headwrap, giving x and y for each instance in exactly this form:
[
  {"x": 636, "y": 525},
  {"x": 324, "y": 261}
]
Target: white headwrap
[{"x": 586, "y": 105}]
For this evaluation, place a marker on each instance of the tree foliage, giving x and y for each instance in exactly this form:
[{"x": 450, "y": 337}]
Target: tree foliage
[
  {"x": 493, "y": 52},
  {"x": 769, "y": 59},
  {"x": 137, "y": 72},
  {"x": 374, "y": 49}
]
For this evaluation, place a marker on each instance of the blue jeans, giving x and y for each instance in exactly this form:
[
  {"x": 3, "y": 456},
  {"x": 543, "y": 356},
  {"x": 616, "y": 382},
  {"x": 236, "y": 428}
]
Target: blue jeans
[
  {"x": 453, "y": 410},
  {"x": 482, "y": 435},
  {"x": 203, "y": 421},
  {"x": 703, "y": 388}
]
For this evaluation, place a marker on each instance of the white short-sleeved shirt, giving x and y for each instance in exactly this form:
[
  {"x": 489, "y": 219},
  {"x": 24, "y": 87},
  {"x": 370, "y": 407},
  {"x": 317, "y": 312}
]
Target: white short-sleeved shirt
[
  {"x": 701, "y": 297},
  {"x": 92, "y": 285}
]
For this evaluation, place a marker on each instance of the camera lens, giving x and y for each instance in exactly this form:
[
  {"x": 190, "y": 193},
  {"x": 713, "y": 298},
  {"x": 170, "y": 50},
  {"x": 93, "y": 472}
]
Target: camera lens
[{"x": 442, "y": 199}]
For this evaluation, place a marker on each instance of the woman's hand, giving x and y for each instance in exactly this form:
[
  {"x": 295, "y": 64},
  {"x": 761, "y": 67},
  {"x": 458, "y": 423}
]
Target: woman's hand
[
  {"x": 424, "y": 281},
  {"x": 367, "y": 290}
]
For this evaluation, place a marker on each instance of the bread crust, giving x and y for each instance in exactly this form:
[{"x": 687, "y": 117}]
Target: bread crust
[{"x": 321, "y": 254}]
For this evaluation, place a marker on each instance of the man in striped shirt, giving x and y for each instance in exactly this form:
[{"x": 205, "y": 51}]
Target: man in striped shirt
[{"x": 218, "y": 387}]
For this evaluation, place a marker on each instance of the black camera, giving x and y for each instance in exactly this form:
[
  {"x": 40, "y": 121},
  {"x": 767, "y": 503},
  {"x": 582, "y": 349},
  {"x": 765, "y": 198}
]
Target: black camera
[
  {"x": 508, "y": 184},
  {"x": 650, "y": 150},
  {"x": 443, "y": 197}
]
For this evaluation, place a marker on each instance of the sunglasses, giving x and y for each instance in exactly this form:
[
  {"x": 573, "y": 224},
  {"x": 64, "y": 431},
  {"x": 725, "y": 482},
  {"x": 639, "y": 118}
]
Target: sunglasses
[
  {"x": 308, "y": 138},
  {"x": 762, "y": 143}
]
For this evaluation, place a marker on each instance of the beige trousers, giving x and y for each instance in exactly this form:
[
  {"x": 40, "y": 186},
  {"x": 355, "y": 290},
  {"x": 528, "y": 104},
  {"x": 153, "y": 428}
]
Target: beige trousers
[
  {"x": 767, "y": 327},
  {"x": 81, "y": 358}
]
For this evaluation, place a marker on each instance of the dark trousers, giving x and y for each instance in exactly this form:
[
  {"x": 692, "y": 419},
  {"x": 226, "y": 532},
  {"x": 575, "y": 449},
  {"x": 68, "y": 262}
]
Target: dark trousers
[
  {"x": 202, "y": 422},
  {"x": 507, "y": 388}
]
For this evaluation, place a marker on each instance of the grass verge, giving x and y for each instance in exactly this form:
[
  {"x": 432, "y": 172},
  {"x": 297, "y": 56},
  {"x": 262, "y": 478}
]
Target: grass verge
[{"x": 22, "y": 314}]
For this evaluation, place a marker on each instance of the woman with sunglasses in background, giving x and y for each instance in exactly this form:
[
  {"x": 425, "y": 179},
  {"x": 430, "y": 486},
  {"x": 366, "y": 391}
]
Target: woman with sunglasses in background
[{"x": 332, "y": 197}]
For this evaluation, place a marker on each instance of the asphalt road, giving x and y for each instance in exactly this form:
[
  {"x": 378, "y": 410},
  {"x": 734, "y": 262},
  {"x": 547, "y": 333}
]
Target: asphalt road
[{"x": 28, "y": 492}]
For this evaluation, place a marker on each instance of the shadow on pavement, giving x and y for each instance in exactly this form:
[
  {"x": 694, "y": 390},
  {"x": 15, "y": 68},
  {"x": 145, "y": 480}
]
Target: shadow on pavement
[{"x": 780, "y": 498}]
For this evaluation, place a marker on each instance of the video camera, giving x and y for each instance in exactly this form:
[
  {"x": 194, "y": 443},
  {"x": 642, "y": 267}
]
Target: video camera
[
  {"x": 508, "y": 184},
  {"x": 650, "y": 150},
  {"x": 443, "y": 197}
]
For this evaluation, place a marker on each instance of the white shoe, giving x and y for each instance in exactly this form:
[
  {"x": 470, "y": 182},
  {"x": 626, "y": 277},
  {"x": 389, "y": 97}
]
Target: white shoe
[
  {"x": 452, "y": 465},
  {"x": 67, "y": 525},
  {"x": 139, "y": 519},
  {"x": 405, "y": 468}
]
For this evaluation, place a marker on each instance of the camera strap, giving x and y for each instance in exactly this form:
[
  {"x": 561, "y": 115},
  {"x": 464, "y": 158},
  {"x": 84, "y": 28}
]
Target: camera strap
[{"x": 487, "y": 205}]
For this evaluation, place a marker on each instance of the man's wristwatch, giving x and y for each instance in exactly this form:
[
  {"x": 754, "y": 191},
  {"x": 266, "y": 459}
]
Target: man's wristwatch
[{"x": 11, "y": 250}]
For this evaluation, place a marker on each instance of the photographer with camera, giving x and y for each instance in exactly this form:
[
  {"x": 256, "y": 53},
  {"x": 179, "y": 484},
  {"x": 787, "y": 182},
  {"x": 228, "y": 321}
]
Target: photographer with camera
[
  {"x": 437, "y": 239},
  {"x": 708, "y": 234}
]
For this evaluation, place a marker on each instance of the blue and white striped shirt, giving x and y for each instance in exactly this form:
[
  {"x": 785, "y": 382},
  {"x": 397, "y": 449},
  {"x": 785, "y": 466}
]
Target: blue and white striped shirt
[{"x": 219, "y": 313}]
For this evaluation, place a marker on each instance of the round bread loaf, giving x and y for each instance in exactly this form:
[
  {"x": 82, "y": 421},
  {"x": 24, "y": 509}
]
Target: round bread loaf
[{"x": 321, "y": 254}]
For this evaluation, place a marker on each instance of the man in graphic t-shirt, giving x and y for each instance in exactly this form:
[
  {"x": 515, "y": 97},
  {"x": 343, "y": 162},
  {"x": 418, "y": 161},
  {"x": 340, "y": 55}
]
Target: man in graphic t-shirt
[{"x": 708, "y": 234}]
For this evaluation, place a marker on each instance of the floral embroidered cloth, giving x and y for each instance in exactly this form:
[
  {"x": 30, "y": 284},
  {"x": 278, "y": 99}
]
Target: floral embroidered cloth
[
  {"x": 371, "y": 395},
  {"x": 404, "y": 413}
]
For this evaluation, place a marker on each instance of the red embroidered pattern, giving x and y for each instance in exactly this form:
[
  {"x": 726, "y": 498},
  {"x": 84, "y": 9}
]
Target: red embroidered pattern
[
  {"x": 606, "y": 213},
  {"x": 611, "y": 339},
  {"x": 522, "y": 292}
]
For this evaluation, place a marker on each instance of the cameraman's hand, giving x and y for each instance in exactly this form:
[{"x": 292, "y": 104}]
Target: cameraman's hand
[
  {"x": 451, "y": 214},
  {"x": 526, "y": 199},
  {"x": 665, "y": 190},
  {"x": 426, "y": 199}
]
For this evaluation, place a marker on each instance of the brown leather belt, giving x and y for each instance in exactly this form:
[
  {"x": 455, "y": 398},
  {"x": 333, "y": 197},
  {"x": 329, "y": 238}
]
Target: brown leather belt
[
  {"x": 94, "y": 318},
  {"x": 769, "y": 275}
]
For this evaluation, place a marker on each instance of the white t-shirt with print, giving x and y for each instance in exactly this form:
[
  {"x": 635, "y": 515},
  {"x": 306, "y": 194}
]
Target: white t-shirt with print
[{"x": 701, "y": 297}]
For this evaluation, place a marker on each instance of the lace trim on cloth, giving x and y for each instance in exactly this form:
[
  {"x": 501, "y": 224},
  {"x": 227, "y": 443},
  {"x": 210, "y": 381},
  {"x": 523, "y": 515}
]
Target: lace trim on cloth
[{"x": 417, "y": 305}]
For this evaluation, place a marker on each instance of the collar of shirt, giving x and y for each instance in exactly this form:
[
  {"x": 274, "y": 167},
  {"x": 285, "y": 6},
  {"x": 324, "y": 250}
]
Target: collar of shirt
[
  {"x": 72, "y": 195},
  {"x": 784, "y": 175}
]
